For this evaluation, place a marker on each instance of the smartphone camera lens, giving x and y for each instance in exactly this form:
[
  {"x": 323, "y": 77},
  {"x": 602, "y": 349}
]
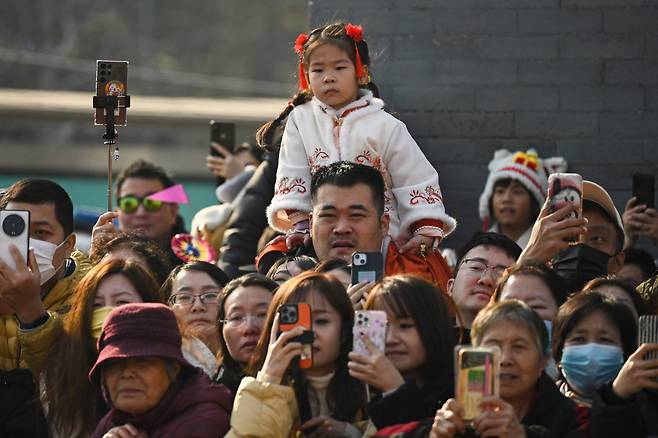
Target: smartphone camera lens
[
  {"x": 102, "y": 73},
  {"x": 13, "y": 225}
]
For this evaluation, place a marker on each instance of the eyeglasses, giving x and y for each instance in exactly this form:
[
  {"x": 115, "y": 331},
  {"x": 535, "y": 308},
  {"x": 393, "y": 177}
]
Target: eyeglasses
[
  {"x": 478, "y": 267},
  {"x": 188, "y": 299},
  {"x": 238, "y": 320},
  {"x": 130, "y": 203}
]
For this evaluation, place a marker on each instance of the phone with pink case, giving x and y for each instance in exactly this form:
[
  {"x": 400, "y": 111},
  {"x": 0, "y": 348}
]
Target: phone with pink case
[
  {"x": 564, "y": 189},
  {"x": 371, "y": 323}
]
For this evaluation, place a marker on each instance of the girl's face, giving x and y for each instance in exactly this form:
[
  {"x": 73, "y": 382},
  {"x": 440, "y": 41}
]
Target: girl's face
[
  {"x": 286, "y": 271},
  {"x": 332, "y": 76},
  {"x": 116, "y": 290},
  {"x": 201, "y": 313},
  {"x": 327, "y": 329},
  {"x": 404, "y": 347},
  {"x": 534, "y": 292},
  {"x": 245, "y": 311}
]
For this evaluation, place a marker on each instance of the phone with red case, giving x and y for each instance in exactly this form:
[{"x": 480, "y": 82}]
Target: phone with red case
[
  {"x": 299, "y": 315},
  {"x": 371, "y": 323}
]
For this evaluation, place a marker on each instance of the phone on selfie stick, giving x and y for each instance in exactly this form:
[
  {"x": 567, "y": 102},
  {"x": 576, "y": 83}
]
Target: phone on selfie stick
[
  {"x": 224, "y": 134},
  {"x": 644, "y": 189},
  {"x": 110, "y": 103},
  {"x": 14, "y": 230}
]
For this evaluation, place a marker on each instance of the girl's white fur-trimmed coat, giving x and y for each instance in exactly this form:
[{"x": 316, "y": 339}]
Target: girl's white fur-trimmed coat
[{"x": 362, "y": 132}]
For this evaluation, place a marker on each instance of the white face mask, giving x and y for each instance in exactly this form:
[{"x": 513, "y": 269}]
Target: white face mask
[{"x": 44, "y": 252}]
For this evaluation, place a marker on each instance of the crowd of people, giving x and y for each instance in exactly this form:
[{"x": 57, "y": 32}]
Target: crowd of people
[{"x": 136, "y": 338}]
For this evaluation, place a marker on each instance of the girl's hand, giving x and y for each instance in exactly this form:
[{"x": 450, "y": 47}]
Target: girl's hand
[
  {"x": 358, "y": 293},
  {"x": 413, "y": 245},
  {"x": 637, "y": 373},
  {"x": 281, "y": 351},
  {"x": 375, "y": 370},
  {"x": 227, "y": 165},
  {"x": 323, "y": 426},
  {"x": 448, "y": 420},
  {"x": 125, "y": 431},
  {"x": 498, "y": 419}
]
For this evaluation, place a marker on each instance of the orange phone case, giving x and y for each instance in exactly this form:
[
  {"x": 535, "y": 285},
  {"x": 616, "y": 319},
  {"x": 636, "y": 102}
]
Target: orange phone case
[{"x": 301, "y": 316}]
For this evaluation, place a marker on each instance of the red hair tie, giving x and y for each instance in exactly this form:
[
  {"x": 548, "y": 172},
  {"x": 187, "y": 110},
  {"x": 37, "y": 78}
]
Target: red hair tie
[
  {"x": 356, "y": 33},
  {"x": 300, "y": 42}
]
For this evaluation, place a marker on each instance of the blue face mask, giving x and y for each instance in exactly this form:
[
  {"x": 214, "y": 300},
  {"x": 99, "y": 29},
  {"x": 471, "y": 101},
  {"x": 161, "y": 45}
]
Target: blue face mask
[{"x": 589, "y": 366}]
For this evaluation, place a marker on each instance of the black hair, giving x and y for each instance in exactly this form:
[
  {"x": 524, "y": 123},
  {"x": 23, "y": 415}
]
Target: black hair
[
  {"x": 538, "y": 269},
  {"x": 330, "y": 34},
  {"x": 144, "y": 170},
  {"x": 159, "y": 264},
  {"x": 640, "y": 305},
  {"x": 583, "y": 304},
  {"x": 217, "y": 275},
  {"x": 641, "y": 259},
  {"x": 304, "y": 262},
  {"x": 231, "y": 370},
  {"x": 348, "y": 174},
  {"x": 332, "y": 264},
  {"x": 497, "y": 240},
  {"x": 42, "y": 191}
]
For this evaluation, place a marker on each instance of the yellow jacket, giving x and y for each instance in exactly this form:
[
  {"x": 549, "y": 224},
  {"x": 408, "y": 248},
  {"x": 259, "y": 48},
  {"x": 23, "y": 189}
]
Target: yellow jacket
[
  {"x": 29, "y": 348},
  {"x": 263, "y": 409}
]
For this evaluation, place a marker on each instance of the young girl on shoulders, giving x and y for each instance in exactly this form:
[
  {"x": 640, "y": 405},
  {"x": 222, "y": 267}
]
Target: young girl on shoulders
[
  {"x": 337, "y": 116},
  {"x": 284, "y": 399}
]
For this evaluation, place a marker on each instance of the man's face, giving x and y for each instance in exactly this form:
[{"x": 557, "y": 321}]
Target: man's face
[
  {"x": 345, "y": 220},
  {"x": 156, "y": 225},
  {"x": 602, "y": 235},
  {"x": 476, "y": 278},
  {"x": 45, "y": 226}
]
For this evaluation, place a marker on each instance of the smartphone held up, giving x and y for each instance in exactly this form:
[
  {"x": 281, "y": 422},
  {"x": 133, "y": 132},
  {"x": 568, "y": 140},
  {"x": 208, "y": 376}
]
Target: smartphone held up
[
  {"x": 14, "y": 230},
  {"x": 476, "y": 377},
  {"x": 292, "y": 316},
  {"x": 112, "y": 80}
]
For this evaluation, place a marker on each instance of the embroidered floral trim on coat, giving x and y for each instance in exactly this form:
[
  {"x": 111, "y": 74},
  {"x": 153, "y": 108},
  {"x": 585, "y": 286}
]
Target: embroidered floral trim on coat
[
  {"x": 431, "y": 196},
  {"x": 286, "y": 186}
]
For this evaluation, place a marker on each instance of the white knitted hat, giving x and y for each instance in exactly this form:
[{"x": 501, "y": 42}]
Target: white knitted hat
[{"x": 524, "y": 167}]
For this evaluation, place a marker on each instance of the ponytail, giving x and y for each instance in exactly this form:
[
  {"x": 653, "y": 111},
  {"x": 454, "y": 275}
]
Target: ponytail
[{"x": 265, "y": 134}]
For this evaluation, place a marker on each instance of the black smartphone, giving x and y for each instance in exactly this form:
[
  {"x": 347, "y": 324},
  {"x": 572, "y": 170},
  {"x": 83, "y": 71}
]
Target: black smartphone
[
  {"x": 644, "y": 188},
  {"x": 112, "y": 80},
  {"x": 367, "y": 266},
  {"x": 224, "y": 134}
]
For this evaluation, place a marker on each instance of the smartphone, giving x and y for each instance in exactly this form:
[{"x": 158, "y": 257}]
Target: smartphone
[
  {"x": 476, "y": 376},
  {"x": 14, "y": 230},
  {"x": 112, "y": 80},
  {"x": 648, "y": 333},
  {"x": 644, "y": 188},
  {"x": 367, "y": 266},
  {"x": 371, "y": 323},
  {"x": 563, "y": 189},
  {"x": 224, "y": 134},
  {"x": 295, "y": 315}
]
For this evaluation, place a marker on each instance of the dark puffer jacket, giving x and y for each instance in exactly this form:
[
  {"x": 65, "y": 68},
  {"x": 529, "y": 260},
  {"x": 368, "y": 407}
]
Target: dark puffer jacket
[
  {"x": 614, "y": 416},
  {"x": 193, "y": 407}
]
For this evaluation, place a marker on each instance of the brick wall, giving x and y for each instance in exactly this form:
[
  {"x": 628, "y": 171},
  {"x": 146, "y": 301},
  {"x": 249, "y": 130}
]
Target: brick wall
[{"x": 576, "y": 78}]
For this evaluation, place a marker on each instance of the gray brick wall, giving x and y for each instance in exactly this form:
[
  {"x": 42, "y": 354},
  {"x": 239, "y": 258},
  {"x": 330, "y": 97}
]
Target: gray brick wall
[{"x": 577, "y": 78}]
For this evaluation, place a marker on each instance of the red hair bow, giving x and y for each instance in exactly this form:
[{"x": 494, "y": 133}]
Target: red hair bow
[
  {"x": 356, "y": 33},
  {"x": 300, "y": 42}
]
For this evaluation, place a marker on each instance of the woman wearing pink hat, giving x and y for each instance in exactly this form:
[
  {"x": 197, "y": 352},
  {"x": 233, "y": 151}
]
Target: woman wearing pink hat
[{"x": 152, "y": 389}]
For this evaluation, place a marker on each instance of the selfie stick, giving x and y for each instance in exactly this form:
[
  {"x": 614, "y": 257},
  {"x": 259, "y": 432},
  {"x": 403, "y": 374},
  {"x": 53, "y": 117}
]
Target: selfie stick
[{"x": 110, "y": 103}]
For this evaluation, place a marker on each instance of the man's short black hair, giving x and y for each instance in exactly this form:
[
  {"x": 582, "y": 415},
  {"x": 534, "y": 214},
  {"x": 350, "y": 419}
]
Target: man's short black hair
[
  {"x": 641, "y": 259},
  {"x": 348, "y": 174},
  {"x": 144, "y": 170},
  {"x": 42, "y": 191},
  {"x": 500, "y": 241}
]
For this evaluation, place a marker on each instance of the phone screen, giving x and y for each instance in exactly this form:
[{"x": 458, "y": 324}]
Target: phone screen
[{"x": 476, "y": 376}]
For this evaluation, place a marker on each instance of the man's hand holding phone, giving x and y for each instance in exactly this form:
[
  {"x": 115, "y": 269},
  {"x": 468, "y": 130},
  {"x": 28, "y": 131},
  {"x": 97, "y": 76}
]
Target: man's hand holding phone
[
  {"x": 223, "y": 163},
  {"x": 20, "y": 288},
  {"x": 552, "y": 233},
  {"x": 639, "y": 220}
]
